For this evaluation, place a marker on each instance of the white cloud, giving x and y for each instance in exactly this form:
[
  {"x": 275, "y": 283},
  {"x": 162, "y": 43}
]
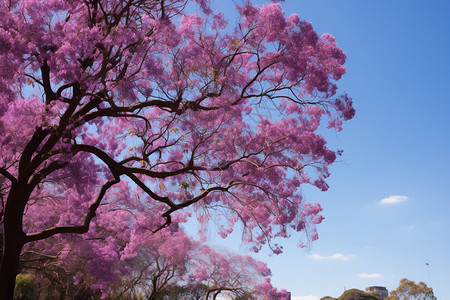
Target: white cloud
[
  {"x": 305, "y": 298},
  {"x": 336, "y": 256},
  {"x": 339, "y": 256},
  {"x": 410, "y": 227},
  {"x": 394, "y": 199},
  {"x": 316, "y": 256},
  {"x": 373, "y": 275}
]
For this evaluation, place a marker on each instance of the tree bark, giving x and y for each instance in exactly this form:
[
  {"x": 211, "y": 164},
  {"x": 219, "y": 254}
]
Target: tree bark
[{"x": 13, "y": 239}]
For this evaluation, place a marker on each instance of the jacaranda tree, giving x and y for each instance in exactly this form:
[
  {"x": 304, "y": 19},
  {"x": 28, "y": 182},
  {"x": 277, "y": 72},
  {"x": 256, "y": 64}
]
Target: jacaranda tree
[
  {"x": 158, "y": 106},
  {"x": 237, "y": 276},
  {"x": 153, "y": 265}
]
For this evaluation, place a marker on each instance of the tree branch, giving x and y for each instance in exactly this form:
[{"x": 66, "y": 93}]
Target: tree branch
[
  {"x": 124, "y": 170},
  {"x": 167, "y": 214},
  {"x": 8, "y": 175},
  {"x": 56, "y": 134},
  {"x": 47, "y": 170},
  {"x": 49, "y": 94},
  {"x": 37, "y": 138},
  {"x": 114, "y": 111},
  {"x": 80, "y": 229}
]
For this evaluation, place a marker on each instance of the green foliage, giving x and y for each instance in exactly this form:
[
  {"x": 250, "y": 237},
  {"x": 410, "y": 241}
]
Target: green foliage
[
  {"x": 355, "y": 294},
  {"x": 25, "y": 288},
  {"x": 176, "y": 292},
  {"x": 409, "y": 290}
]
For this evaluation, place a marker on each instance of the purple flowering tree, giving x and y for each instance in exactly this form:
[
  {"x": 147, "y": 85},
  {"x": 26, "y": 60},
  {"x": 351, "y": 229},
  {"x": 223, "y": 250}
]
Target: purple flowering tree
[
  {"x": 128, "y": 264},
  {"x": 147, "y": 106},
  {"x": 224, "y": 273}
]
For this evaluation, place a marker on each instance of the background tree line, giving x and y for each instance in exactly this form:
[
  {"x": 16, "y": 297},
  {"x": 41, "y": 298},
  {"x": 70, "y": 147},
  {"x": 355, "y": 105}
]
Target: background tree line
[{"x": 407, "y": 290}]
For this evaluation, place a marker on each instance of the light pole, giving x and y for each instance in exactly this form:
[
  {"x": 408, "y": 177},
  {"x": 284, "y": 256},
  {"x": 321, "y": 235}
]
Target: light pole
[{"x": 429, "y": 276}]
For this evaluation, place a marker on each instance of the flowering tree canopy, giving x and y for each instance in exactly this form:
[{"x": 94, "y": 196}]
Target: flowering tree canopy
[
  {"x": 235, "y": 275},
  {"x": 126, "y": 266},
  {"x": 157, "y": 106}
]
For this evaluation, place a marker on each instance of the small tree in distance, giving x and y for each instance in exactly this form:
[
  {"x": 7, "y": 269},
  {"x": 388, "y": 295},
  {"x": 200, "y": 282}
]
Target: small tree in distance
[
  {"x": 409, "y": 290},
  {"x": 355, "y": 294},
  {"x": 144, "y": 108},
  {"x": 238, "y": 276}
]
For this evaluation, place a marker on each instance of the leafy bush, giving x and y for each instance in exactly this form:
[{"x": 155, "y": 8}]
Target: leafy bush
[
  {"x": 355, "y": 294},
  {"x": 25, "y": 288}
]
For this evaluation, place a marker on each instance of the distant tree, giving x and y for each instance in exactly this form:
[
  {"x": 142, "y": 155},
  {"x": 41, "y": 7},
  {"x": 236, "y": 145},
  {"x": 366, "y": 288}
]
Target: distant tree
[
  {"x": 328, "y": 298},
  {"x": 236, "y": 276},
  {"x": 154, "y": 263},
  {"x": 355, "y": 294},
  {"x": 409, "y": 290}
]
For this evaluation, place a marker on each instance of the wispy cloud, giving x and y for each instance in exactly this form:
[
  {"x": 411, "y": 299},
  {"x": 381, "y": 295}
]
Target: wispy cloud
[
  {"x": 394, "y": 199},
  {"x": 336, "y": 256},
  {"x": 410, "y": 227},
  {"x": 366, "y": 275},
  {"x": 316, "y": 256},
  {"x": 305, "y": 298},
  {"x": 339, "y": 256}
]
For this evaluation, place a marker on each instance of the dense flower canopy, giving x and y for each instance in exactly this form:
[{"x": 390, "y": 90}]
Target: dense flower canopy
[{"x": 148, "y": 111}]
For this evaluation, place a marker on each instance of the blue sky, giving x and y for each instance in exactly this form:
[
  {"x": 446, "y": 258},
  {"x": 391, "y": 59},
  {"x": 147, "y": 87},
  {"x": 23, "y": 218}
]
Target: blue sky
[{"x": 398, "y": 74}]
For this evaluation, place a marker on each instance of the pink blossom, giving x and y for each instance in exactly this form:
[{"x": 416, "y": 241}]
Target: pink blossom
[{"x": 120, "y": 123}]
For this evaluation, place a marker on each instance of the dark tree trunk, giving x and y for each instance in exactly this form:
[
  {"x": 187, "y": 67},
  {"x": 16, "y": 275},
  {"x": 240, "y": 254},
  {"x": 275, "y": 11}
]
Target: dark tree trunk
[
  {"x": 9, "y": 268},
  {"x": 13, "y": 239}
]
